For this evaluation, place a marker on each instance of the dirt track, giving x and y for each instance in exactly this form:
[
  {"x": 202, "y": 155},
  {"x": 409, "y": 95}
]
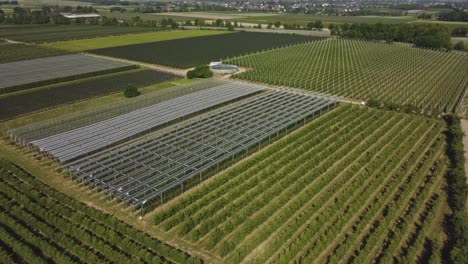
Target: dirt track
[{"x": 464, "y": 124}]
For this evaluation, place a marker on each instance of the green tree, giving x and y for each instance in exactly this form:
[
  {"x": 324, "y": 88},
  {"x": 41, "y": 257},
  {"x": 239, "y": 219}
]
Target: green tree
[
  {"x": 459, "y": 32},
  {"x": 277, "y": 24},
  {"x": 201, "y": 71},
  {"x": 459, "y": 46},
  {"x": 318, "y": 25},
  {"x": 131, "y": 91}
]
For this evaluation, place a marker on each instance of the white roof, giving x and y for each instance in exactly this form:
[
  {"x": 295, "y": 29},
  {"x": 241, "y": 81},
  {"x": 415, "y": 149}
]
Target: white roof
[{"x": 72, "y": 15}]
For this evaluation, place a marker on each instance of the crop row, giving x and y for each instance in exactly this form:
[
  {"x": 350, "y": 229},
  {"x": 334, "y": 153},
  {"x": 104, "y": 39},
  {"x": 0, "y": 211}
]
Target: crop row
[
  {"x": 428, "y": 80},
  {"x": 40, "y": 225},
  {"x": 315, "y": 195}
]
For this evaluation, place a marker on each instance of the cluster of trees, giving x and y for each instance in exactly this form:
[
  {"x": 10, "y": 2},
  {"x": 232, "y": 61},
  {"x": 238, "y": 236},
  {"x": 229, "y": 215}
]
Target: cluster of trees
[
  {"x": 118, "y": 9},
  {"x": 454, "y": 15},
  {"x": 317, "y": 25},
  {"x": 368, "y": 12},
  {"x": 425, "y": 16},
  {"x": 457, "y": 191},
  {"x": 110, "y": 2},
  {"x": 46, "y": 15},
  {"x": 201, "y": 71},
  {"x": 374, "y": 103},
  {"x": 9, "y": 3},
  {"x": 422, "y": 35},
  {"x": 131, "y": 91},
  {"x": 459, "y": 32}
]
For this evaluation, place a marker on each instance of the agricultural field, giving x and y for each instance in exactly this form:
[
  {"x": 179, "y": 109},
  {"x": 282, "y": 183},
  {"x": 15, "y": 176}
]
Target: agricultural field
[
  {"x": 16, "y": 52},
  {"x": 180, "y": 53},
  {"x": 357, "y": 185},
  {"x": 106, "y": 152},
  {"x": 301, "y": 19},
  {"x": 431, "y": 81},
  {"x": 215, "y": 15},
  {"x": 27, "y": 74},
  {"x": 50, "y": 33},
  {"x": 41, "y": 225},
  {"x": 129, "y": 39},
  {"x": 21, "y": 103}
]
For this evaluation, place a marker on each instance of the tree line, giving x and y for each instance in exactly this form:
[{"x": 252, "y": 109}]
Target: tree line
[
  {"x": 457, "y": 192},
  {"x": 46, "y": 15},
  {"x": 422, "y": 35},
  {"x": 51, "y": 15},
  {"x": 454, "y": 15}
]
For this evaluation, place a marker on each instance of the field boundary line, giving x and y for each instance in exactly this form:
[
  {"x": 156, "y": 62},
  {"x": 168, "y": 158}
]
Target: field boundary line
[{"x": 180, "y": 72}]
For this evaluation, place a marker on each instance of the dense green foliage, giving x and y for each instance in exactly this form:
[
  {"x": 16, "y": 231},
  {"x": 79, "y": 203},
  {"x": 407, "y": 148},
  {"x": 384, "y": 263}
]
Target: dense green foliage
[
  {"x": 422, "y": 35},
  {"x": 17, "y": 52},
  {"x": 457, "y": 192},
  {"x": 189, "y": 52},
  {"x": 41, "y": 225},
  {"x": 131, "y": 91},
  {"x": 459, "y": 32},
  {"x": 48, "y": 33},
  {"x": 357, "y": 185},
  {"x": 454, "y": 15},
  {"x": 52, "y": 96},
  {"x": 424, "y": 79},
  {"x": 201, "y": 71},
  {"x": 64, "y": 79}
]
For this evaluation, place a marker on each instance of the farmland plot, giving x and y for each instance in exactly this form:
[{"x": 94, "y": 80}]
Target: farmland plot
[
  {"x": 50, "y": 33},
  {"x": 357, "y": 185},
  {"x": 188, "y": 52},
  {"x": 41, "y": 225},
  {"x": 18, "y": 52},
  {"x": 129, "y": 39},
  {"x": 56, "y": 95},
  {"x": 149, "y": 168},
  {"x": 428, "y": 80},
  {"x": 32, "y": 73}
]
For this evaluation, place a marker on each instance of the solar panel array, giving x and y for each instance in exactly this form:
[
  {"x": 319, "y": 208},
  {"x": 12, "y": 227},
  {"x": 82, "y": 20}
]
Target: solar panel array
[
  {"x": 77, "y": 142},
  {"x": 143, "y": 169},
  {"x": 37, "y": 70}
]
